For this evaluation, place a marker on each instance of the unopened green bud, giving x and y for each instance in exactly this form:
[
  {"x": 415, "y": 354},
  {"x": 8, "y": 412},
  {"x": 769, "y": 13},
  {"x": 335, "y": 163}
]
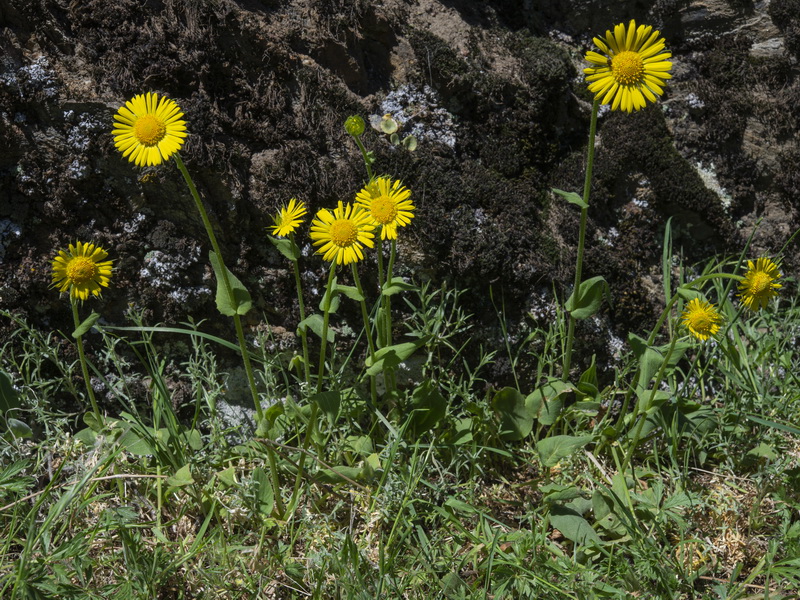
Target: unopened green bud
[{"x": 354, "y": 125}]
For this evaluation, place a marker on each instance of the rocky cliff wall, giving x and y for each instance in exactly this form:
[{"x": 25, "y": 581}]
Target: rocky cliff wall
[{"x": 492, "y": 90}]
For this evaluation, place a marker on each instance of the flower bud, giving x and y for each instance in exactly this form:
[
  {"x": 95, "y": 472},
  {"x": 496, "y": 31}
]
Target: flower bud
[{"x": 354, "y": 125}]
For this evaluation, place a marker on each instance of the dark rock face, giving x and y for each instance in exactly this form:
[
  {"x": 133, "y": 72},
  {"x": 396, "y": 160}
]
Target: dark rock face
[{"x": 493, "y": 91}]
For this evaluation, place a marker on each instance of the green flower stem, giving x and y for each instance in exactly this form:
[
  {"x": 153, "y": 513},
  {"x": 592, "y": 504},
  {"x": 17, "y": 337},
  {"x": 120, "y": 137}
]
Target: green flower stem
[
  {"x": 364, "y": 312},
  {"x": 641, "y": 412},
  {"x": 225, "y": 282},
  {"x": 587, "y": 185},
  {"x": 373, "y": 390},
  {"x": 381, "y": 284},
  {"x": 365, "y": 156},
  {"x": 84, "y": 367},
  {"x": 326, "y": 317},
  {"x": 237, "y": 320},
  {"x": 387, "y": 305},
  {"x": 304, "y": 331},
  {"x": 312, "y": 419}
]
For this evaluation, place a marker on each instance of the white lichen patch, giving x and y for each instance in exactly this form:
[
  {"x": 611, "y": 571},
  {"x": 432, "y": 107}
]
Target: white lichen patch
[
  {"x": 40, "y": 77},
  {"x": 168, "y": 272},
  {"x": 709, "y": 177},
  {"x": 609, "y": 238},
  {"x": 83, "y": 130},
  {"x": 419, "y": 108},
  {"x": 133, "y": 225},
  {"x": 694, "y": 101}
]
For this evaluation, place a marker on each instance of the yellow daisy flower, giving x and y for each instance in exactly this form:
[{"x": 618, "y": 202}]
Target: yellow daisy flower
[
  {"x": 632, "y": 68},
  {"x": 290, "y": 218},
  {"x": 388, "y": 204},
  {"x": 701, "y": 319},
  {"x": 82, "y": 269},
  {"x": 758, "y": 284},
  {"x": 149, "y": 130},
  {"x": 341, "y": 234}
]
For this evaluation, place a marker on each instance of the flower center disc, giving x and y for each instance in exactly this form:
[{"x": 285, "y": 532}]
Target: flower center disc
[
  {"x": 383, "y": 210},
  {"x": 149, "y": 130},
  {"x": 760, "y": 284},
  {"x": 702, "y": 323},
  {"x": 80, "y": 270},
  {"x": 627, "y": 67},
  {"x": 343, "y": 233}
]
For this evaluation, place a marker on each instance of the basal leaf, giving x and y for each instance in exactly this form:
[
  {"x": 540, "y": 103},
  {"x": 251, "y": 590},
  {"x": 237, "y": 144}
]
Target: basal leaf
[
  {"x": 551, "y": 450},
  {"x": 516, "y": 416}
]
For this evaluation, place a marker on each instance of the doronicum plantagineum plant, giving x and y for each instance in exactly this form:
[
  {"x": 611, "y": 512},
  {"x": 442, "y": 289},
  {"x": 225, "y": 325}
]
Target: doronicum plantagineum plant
[
  {"x": 149, "y": 130},
  {"x": 287, "y": 221},
  {"x": 629, "y": 71},
  {"x": 83, "y": 271}
]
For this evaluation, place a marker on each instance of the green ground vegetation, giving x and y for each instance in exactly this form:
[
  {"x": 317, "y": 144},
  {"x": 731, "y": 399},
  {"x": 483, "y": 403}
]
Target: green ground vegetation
[{"x": 436, "y": 486}]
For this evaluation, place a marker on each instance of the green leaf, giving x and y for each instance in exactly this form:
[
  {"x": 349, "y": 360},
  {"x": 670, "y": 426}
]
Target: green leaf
[
  {"x": 93, "y": 422},
  {"x": 571, "y": 197},
  {"x": 410, "y": 143},
  {"x": 651, "y": 357},
  {"x": 429, "y": 407},
  {"x": 240, "y": 301},
  {"x": 780, "y": 426},
  {"x": 689, "y": 294},
  {"x": 19, "y": 429},
  {"x": 87, "y": 324},
  {"x": 9, "y": 398},
  {"x": 461, "y": 433},
  {"x": 397, "y": 285},
  {"x": 339, "y": 474},
  {"x": 371, "y": 467},
  {"x": 547, "y": 402},
  {"x": 314, "y": 322},
  {"x": 182, "y": 477},
  {"x": 329, "y": 403},
  {"x": 286, "y": 247},
  {"x": 590, "y": 375},
  {"x": 453, "y": 586},
  {"x": 335, "y": 302},
  {"x": 659, "y": 398},
  {"x": 516, "y": 416},
  {"x": 360, "y": 444},
  {"x": 193, "y": 439},
  {"x": 573, "y": 526},
  {"x": 551, "y": 450},
  {"x": 132, "y": 442},
  {"x": 388, "y": 125},
  {"x": 764, "y": 451},
  {"x": 265, "y": 497},
  {"x": 554, "y": 492},
  {"x": 86, "y": 436},
  {"x": 349, "y": 291},
  {"x": 391, "y": 356},
  {"x": 589, "y": 298},
  {"x": 605, "y": 515},
  {"x": 666, "y": 259},
  {"x": 460, "y": 505},
  {"x": 227, "y": 477},
  {"x": 395, "y": 139}
]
